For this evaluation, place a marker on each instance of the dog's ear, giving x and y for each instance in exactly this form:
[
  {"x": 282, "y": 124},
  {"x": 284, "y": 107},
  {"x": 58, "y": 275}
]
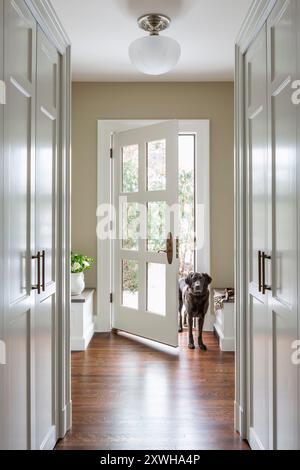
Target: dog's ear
[
  {"x": 189, "y": 279},
  {"x": 209, "y": 279}
]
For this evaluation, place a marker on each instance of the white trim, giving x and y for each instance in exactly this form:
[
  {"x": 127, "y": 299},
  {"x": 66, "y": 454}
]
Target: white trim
[
  {"x": 254, "y": 441},
  {"x": 50, "y": 440},
  {"x": 104, "y": 252},
  {"x": 254, "y": 21},
  {"x": 45, "y": 15},
  {"x": 2, "y": 425}
]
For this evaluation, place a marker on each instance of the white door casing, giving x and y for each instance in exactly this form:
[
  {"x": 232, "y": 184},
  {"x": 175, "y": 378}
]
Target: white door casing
[
  {"x": 107, "y": 128},
  {"x": 147, "y": 264}
]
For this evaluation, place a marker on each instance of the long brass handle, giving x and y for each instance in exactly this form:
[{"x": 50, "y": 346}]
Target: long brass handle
[
  {"x": 169, "y": 250},
  {"x": 264, "y": 286},
  {"x": 259, "y": 271},
  {"x": 43, "y": 256},
  {"x": 37, "y": 257}
]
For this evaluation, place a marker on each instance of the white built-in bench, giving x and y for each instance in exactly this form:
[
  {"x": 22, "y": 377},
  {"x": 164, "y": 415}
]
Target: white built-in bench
[
  {"x": 224, "y": 326},
  {"x": 82, "y": 324}
]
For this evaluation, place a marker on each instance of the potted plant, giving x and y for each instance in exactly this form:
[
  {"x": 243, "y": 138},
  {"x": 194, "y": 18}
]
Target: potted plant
[{"x": 79, "y": 264}]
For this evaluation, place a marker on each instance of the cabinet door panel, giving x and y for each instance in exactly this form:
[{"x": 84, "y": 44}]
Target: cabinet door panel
[
  {"x": 46, "y": 226},
  {"x": 283, "y": 148},
  {"x": 19, "y": 143},
  {"x": 257, "y": 149}
]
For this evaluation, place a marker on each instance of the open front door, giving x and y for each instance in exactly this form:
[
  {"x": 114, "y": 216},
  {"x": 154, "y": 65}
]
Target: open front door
[{"x": 145, "y": 298}]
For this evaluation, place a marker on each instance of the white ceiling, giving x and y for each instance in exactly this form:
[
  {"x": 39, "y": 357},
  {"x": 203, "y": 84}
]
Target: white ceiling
[{"x": 101, "y": 31}]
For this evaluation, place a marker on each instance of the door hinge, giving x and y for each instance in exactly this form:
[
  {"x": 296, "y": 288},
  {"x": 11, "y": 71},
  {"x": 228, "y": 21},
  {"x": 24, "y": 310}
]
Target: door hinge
[
  {"x": 2, "y": 92},
  {"x": 111, "y": 225},
  {"x": 111, "y": 298},
  {"x": 111, "y": 153}
]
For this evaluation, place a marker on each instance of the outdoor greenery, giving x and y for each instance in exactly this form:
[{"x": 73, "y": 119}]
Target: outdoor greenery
[
  {"x": 130, "y": 276},
  {"x": 186, "y": 222},
  {"x": 80, "y": 263},
  {"x": 156, "y": 218}
]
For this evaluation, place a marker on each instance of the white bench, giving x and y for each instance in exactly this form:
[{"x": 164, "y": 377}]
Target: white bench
[
  {"x": 225, "y": 325},
  {"x": 82, "y": 324}
]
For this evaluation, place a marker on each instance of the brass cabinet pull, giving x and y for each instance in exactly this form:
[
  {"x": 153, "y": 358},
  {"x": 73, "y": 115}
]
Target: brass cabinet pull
[
  {"x": 259, "y": 271},
  {"x": 37, "y": 257},
  {"x": 264, "y": 286},
  {"x": 169, "y": 250},
  {"x": 43, "y": 256}
]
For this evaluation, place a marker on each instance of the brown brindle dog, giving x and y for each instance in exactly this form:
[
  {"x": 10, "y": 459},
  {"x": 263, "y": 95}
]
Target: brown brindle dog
[{"x": 194, "y": 295}]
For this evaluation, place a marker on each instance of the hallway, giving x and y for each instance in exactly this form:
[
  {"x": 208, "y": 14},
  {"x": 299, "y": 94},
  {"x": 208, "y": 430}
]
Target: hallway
[{"x": 130, "y": 394}]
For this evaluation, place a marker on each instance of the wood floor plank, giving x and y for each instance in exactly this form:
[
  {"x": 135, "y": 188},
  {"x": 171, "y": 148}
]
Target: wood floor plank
[{"x": 130, "y": 394}]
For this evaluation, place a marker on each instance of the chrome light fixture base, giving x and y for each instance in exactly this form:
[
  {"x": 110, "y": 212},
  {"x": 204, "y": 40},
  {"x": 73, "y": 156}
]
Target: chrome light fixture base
[{"x": 154, "y": 23}]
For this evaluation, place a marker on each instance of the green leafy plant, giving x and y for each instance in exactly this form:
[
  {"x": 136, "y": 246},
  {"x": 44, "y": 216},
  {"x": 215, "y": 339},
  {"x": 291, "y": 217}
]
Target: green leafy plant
[{"x": 80, "y": 263}]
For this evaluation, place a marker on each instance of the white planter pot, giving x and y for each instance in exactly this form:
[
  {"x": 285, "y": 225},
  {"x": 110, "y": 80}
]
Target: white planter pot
[{"x": 77, "y": 283}]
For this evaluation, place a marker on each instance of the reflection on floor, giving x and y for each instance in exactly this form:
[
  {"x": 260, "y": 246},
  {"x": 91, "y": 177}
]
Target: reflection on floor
[{"x": 130, "y": 394}]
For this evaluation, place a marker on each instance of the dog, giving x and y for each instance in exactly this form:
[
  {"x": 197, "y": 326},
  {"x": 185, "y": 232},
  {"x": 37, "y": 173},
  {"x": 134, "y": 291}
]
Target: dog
[{"x": 194, "y": 295}]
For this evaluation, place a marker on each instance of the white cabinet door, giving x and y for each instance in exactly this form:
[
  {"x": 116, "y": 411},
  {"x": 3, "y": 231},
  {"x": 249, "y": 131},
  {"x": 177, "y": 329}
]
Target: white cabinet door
[
  {"x": 19, "y": 135},
  {"x": 282, "y": 51},
  {"x": 258, "y": 188},
  {"x": 47, "y": 110},
  {"x": 145, "y": 297}
]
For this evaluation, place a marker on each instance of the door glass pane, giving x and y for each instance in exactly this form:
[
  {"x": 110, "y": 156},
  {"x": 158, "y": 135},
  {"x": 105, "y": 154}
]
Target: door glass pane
[
  {"x": 130, "y": 284},
  {"x": 156, "y": 239},
  {"x": 156, "y": 288},
  {"x": 130, "y": 226},
  {"x": 187, "y": 203},
  {"x": 156, "y": 165},
  {"x": 130, "y": 169}
]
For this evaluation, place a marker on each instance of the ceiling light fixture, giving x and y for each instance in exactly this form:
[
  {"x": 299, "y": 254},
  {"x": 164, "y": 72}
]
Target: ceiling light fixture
[{"x": 154, "y": 54}]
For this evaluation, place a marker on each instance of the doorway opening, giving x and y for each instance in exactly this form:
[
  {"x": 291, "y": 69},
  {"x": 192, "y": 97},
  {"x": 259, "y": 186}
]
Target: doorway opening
[{"x": 193, "y": 175}]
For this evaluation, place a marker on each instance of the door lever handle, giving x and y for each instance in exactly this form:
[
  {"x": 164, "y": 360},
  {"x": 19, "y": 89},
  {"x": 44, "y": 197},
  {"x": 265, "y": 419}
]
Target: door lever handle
[{"x": 37, "y": 257}]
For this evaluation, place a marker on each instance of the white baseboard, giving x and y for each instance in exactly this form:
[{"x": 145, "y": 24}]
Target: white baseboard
[
  {"x": 254, "y": 441},
  {"x": 65, "y": 420},
  {"x": 80, "y": 344},
  {"x": 239, "y": 420},
  {"x": 50, "y": 440}
]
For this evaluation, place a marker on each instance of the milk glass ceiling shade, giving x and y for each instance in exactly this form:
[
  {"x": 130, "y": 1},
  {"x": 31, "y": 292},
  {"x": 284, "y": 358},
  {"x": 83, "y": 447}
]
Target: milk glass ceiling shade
[{"x": 154, "y": 55}]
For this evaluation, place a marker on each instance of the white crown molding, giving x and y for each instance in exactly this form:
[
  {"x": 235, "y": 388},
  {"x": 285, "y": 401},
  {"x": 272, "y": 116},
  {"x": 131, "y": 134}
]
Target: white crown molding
[
  {"x": 47, "y": 18},
  {"x": 256, "y": 17}
]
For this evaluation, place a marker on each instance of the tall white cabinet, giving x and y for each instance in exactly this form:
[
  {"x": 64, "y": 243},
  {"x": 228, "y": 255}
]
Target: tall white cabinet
[
  {"x": 35, "y": 396},
  {"x": 268, "y": 164}
]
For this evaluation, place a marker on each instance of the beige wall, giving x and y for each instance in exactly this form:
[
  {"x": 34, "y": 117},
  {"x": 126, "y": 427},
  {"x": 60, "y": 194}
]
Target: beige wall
[{"x": 214, "y": 101}]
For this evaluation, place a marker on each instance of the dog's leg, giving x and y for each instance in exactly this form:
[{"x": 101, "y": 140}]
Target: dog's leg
[
  {"x": 185, "y": 317},
  {"x": 180, "y": 329},
  {"x": 191, "y": 337},
  {"x": 200, "y": 339}
]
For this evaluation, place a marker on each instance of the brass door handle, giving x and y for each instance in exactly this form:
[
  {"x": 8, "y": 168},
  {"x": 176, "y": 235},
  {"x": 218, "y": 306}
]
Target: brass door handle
[
  {"x": 169, "y": 250},
  {"x": 37, "y": 257}
]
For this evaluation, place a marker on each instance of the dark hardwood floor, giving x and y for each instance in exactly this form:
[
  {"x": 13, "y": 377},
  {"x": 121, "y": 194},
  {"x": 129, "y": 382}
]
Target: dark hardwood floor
[{"x": 130, "y": 394}]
